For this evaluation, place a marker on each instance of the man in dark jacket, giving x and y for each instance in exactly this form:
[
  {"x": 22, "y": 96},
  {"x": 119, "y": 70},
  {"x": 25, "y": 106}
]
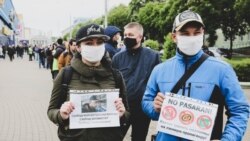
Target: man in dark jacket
[
  {"x": 136, "y": 64},
  {"x": 114, "y": 34}
]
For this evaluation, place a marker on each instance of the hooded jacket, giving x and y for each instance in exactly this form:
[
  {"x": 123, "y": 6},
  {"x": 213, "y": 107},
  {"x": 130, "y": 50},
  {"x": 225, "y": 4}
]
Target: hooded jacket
[
  {"x": 214, "y": 81},
  {"x": 85, "y": 78},
  {"x": 111, "y": 46}
]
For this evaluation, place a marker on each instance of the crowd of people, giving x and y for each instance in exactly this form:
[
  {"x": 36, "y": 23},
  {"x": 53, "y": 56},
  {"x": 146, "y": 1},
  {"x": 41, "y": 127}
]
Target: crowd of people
[
  {"x": 193, "y": 72},
  {"x": 98, "y": 59}
]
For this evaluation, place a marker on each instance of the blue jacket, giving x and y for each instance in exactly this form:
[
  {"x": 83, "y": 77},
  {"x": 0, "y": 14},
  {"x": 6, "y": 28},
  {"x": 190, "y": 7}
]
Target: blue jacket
[
  {"x": 136, "y": 68},
  {"x": 214, "y": 81},
  {"x": 111, "y": 46}
]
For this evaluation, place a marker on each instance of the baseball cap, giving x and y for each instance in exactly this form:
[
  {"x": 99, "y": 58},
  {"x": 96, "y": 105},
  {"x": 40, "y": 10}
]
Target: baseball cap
[
  {"x": 186, "y": 17},
  {"x": 90, "y": 31}
]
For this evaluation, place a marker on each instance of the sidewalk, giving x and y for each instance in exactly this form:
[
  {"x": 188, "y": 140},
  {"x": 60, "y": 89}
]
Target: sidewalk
[
  {"x": 24, "y": 97},
  {"x": 245, "y": 85}
]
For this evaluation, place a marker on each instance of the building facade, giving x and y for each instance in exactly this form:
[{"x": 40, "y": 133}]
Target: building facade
[{"x": 8, "y": 23}]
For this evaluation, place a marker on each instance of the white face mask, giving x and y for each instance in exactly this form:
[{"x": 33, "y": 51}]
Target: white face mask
[
  {"x": 190, "y": 45},
  {"x": 93, "y": 54}
]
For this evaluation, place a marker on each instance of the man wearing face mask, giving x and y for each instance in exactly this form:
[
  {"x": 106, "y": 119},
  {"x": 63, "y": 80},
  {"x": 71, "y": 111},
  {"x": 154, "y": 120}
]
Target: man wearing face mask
[
  {"x": 90, "y": 70},
  {"x": 114, "y": 34},
  {"x": 213, "y": 81},
  {"x": 136, "y": 64}
]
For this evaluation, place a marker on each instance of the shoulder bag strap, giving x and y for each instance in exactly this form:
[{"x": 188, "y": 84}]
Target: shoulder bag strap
[{"x": 188, "y": 73}]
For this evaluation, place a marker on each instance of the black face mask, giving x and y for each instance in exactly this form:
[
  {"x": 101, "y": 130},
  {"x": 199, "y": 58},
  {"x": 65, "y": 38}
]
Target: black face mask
[{"x": 130, "y": 42}]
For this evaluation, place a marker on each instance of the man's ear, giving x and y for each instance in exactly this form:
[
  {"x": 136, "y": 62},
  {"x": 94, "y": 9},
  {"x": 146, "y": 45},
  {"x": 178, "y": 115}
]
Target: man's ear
[{"x": 174, "y": 37}]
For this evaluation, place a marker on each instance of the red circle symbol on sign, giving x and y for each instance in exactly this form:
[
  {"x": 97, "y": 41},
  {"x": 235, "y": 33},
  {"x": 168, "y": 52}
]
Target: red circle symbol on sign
[
  {"x": 204, "y": 122},
  {"x": 186, "y": 117},
  {"x": 169, "y": 112}
]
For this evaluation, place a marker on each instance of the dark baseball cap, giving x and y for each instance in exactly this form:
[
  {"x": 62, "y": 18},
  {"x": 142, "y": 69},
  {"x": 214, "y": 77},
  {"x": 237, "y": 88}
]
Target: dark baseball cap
[{"x": 90, "y": 31}]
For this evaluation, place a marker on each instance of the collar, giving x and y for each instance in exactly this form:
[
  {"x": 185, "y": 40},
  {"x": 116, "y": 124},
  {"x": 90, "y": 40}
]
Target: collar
[
  {"x": 188, "y": 59},
  {"x": 134, "y": 51}
]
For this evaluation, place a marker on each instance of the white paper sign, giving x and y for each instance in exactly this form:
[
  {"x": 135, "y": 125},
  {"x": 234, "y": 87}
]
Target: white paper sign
[
  {"x": 187, "y": 118},
  {"x": 94, "y": 108}
]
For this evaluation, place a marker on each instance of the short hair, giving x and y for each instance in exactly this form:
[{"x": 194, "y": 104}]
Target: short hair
[
  {"x": 60, "y": 41},
  {"x": 136, "y": 25},
  {"x": 71, "y": 41}
]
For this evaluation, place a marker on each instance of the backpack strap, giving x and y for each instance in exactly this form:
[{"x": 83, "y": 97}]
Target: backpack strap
[
  {"x": 66, "y": 77},
  {"x": 188, "y": 73}
]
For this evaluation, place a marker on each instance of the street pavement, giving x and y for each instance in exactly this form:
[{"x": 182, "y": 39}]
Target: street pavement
[{"x": 24, "y": 96}]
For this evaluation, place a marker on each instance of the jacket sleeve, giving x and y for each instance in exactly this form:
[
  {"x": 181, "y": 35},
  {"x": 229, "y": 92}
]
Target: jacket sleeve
[
  {"x": 61, "y": 61},
  {"x": 237, "y": 104},
  {"x": 149, "y": 95},
  {"x": 55, "y": 101}
]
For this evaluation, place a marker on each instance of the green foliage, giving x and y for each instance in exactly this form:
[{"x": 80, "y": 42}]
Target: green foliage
[
  {"x": 66, "y": 37},
  {"x": 243, "y": 10},
  {"x": 152, "y": 44},
  {"x": 169, "y": 47},
  {"x": 242, "y": 68},
  {"x": 118, "y": 16},
  {"x": 149, "y": 17}
]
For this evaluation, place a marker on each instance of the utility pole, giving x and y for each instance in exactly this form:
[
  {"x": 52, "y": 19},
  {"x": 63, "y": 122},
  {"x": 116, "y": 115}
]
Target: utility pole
[
  {"x": 106, "y": 14},
  {"x": 70, "y": 32}
]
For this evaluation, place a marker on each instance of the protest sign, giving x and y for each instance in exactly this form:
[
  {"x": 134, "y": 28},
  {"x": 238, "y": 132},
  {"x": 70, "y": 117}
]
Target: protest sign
[
  {"x": 186, "y": 117},
  {"x": 94, "y": 108}
]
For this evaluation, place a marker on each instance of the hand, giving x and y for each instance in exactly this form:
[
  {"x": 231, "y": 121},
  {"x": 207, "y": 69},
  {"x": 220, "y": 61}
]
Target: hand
[
  {"x": 158, "y": 101},
  {"x": 66, "y": 109},
  {"x": 120, "y": 107}
]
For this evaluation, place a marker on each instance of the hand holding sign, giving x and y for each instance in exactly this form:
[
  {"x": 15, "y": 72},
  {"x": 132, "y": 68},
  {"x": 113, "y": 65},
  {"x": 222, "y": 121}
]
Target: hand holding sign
[
  {"x": 66, "y": 109},
  {"x": 120, "y": 107},
  {"x": 158, "y": 101}
]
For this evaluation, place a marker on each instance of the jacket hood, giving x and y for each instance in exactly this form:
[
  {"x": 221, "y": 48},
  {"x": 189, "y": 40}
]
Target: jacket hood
[{"x": 111, "y": 31}]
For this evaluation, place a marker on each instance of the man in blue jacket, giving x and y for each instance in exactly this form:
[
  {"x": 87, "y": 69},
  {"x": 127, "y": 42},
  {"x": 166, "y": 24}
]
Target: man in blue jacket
[
  {"x": 213, "y": 81},
  {"x": 136, "y": 64}
]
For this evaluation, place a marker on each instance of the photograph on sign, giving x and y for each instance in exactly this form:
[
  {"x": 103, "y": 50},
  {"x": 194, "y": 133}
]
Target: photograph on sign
[
  {"x": 186, "y": 117},
  {"x": 94, "y": 108}
]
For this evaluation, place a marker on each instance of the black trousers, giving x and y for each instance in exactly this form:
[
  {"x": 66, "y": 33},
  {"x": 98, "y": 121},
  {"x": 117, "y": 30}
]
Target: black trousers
[{"x": 139, "y": 122}]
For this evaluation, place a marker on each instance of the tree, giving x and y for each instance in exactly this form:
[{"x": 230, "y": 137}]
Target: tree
[
  {"x": 169, "y": 47},
  {"x": 118, "y": 16},
  {"x": 149, "y": 17},
  {"x": 230, "y": 25},
  {"x": 152, "y": 44},
  {"x": 243, "y": 10}
]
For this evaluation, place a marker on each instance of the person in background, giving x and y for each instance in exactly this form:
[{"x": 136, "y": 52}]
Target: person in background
[
  {"x": 213, "y": 81},
  {"x": 136, "y": 64},
  {"x": 58, "y": 50},
  {"x": 114, "y": 34},
  {"x": 67, "y": 55}
]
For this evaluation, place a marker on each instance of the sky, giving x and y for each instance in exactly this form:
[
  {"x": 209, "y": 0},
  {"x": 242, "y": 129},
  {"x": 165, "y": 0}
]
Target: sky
[{"x": 56, "y": 15}]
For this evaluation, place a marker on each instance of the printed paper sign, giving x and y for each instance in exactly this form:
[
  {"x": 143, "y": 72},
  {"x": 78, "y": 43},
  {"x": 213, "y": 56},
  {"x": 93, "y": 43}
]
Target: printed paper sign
[
  {"x": 94, "y": 108},
  {"x": 186, "y": 117}
]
